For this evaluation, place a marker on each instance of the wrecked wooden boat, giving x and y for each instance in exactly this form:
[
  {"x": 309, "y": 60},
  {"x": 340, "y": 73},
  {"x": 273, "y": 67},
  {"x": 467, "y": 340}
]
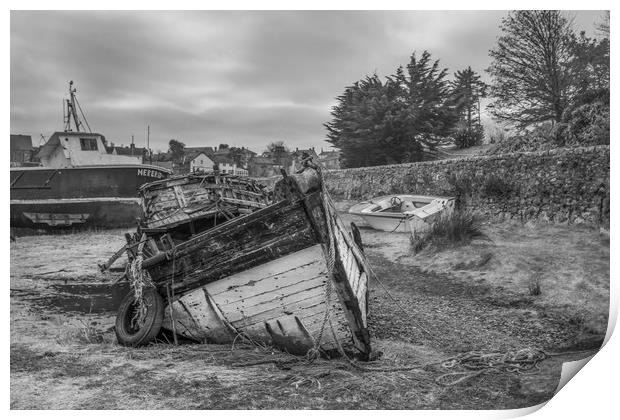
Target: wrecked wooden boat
[
  {"x": 286, "y": 274},
  {"x": 403, "y": 212}
]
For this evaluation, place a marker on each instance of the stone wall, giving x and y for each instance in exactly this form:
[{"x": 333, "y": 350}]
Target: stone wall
[{"x": 560, "y": 185}]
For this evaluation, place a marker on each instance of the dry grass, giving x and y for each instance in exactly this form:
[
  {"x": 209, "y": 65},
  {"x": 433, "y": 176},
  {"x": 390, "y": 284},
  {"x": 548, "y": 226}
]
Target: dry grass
[{"x": 458, "y": 228}]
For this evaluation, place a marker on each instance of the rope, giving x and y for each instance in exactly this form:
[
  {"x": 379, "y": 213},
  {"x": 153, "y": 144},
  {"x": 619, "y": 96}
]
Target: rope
[{"x": 138, "y": 280}]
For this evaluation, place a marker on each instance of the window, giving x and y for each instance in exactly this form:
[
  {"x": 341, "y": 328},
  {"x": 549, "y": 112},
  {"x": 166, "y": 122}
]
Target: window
[{"x": 88, "y": 144}]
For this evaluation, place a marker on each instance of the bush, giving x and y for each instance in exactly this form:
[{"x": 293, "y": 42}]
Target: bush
[
  {"x": 465, "y": 137},
  {"x": 458, "y": 228},
  {"x": 588, "y": 125}
]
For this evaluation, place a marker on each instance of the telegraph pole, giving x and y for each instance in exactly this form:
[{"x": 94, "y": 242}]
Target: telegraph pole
[{"x": 148, "y": 143}]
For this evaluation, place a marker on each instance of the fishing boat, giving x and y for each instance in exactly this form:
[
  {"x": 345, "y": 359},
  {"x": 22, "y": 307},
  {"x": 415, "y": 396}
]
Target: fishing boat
[
  {"x": 79, "y": 182},
  {"x": 287, "y": 273},
  {"x": 403, "y": 212}
]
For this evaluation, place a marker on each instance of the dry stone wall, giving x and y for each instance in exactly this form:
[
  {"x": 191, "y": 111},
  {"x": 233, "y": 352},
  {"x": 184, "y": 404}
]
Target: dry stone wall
[{"x": 560, "y": 185}]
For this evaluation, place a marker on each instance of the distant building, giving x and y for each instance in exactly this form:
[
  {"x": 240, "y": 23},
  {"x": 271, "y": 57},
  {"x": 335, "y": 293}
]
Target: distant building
[
  {"x": 261, "y": 166},
  {"x": 207, "y": 150},
  {"x": 227, "y": 166},
  {"x": 131, "y": 150},
  {"x": 330, "y": 159},
  {"x": 21, "y": 149},
  {"x": 66, "y": 149},
  {"x": 200, "y": 162}
]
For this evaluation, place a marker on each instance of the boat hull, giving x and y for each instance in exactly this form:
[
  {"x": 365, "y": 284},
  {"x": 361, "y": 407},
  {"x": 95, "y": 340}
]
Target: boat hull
[
  {"x": 283, "y": 301},
  {"x": 413, "y": 213},
  {"x": 288, "y": 275},
  {"x": 96, "y": 196}
]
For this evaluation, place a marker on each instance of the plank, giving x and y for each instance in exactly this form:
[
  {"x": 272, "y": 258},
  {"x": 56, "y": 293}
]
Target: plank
[
  {"x": 208, "y": 321},
  {"x": 302, "y": 258}
]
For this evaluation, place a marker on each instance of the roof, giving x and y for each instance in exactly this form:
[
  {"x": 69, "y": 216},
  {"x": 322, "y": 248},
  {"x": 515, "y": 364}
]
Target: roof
[
  {"x": 193, "y": 155},
  {"x": 207, "y": 150},
  {"x": 222, "y": 159},
  {"x": 20, "y": 142}
]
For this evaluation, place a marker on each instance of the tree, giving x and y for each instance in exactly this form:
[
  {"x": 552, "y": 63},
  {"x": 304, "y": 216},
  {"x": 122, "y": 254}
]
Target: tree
[
  {"x": 396, "y": 121},
  {"x": 467, "y": 90},
  {"x": 177, "y": 150},
  {"x": 602, "y": 27},
  {"x": 278, "y": 151},
  {"x": 530, "y": 72},
  {"x": 589, "y": 67},
  {"x": 367, "y": 126}
]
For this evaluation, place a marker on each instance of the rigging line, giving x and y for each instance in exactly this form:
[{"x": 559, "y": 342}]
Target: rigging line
[{"x": 83, "y": 116}]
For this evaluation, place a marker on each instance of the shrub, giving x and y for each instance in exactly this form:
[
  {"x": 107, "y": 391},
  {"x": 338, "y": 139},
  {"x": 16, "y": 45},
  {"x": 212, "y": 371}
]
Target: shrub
[
  {"x": 533, "y": 286},
  {"x": 588, "y": 125},
  {"x": 458, "y": 228},
  {"x": 465, "y": 137}
]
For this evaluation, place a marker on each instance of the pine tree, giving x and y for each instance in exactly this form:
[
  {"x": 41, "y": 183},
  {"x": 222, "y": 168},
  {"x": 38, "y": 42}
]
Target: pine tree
[
  {"x": 395, "y": 121},
  {"x": 467, "y": 90}
]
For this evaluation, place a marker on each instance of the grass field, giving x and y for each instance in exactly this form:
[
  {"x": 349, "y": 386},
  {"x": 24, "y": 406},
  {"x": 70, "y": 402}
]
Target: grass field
[{"x": 426, "y": 308}]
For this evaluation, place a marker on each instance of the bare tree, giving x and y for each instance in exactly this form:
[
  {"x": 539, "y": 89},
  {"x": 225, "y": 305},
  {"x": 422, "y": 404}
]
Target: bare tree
[
  {"x": 531, "y": 79},
  {"x": 602, "y": 27}
]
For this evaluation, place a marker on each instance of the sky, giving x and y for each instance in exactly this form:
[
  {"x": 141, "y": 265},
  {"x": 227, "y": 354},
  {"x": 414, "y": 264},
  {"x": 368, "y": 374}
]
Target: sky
[{"x": 211, "y": 77}]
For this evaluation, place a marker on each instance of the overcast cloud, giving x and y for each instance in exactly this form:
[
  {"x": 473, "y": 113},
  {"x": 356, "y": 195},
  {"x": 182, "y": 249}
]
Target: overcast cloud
[{"x": 242, "y": 78}]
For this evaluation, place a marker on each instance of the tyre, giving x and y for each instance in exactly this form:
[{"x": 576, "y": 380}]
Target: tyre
[{"x": 130, "y": 334}]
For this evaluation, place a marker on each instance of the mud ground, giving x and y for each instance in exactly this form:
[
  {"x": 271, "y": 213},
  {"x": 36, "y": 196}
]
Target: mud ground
[{"x": 426, "y": 307}]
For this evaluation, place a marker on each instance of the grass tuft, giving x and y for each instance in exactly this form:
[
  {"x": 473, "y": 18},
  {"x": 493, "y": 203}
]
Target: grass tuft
[
  {"x": 533, "y": 286},
  {"x": 458, "y": 228}
]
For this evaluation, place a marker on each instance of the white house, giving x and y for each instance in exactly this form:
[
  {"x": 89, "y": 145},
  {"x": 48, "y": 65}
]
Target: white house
[
  {"x": 66, "y": 149},
  {"x": 201, "y": 163},
  {"x": 232, "y": 168}
]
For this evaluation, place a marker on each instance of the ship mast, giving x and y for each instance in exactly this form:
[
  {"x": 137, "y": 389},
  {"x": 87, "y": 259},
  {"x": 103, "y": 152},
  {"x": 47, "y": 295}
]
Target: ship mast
[{"x": 70, "y": 110}]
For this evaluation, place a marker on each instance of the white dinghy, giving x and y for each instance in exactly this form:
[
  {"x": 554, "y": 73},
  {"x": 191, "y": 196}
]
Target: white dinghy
[{"x": 403, "y": 212}]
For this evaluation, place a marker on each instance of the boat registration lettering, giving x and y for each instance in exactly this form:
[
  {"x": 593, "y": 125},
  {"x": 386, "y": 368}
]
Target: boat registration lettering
[{"x": 151, "y": 173}]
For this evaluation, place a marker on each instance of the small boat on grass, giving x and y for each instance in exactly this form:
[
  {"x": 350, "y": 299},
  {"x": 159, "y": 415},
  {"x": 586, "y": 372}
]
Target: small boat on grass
[
  {"x": 403, "y": 212},
  {"x": 286, "y": 273}
]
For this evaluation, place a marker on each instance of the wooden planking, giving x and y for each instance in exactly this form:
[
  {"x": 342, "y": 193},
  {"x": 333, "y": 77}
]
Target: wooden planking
[
  {"x": 270, "y": 270},
  {"x": 206, "y": 318},
  {"x": 300, "y": 301},
  {"x": 293, "y": 284},
  {"x": 196, "y": 273},
  {"x": 185, "y": 323},
  {"x": 301, "y": 282},
  {"x": 361, "y": 296},
  {"x": 237, "y": 245}
]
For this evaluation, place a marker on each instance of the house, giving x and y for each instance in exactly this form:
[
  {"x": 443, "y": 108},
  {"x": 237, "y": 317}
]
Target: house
[
  {"x": 262, "y": 166},
  {"x": 199, "y": 162},
  {"x": 66, "y": 149},
  {"x": 207, "y": 150},
  {"x": 241, "y": 156},
  {"x": 330, "y": 159},
  {"x": 227, "y": 166},
  {"x": 21, "y": 149}
]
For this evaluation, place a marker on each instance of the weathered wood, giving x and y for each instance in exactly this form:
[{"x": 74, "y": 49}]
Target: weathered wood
[{"x": 293, "y": 285}]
